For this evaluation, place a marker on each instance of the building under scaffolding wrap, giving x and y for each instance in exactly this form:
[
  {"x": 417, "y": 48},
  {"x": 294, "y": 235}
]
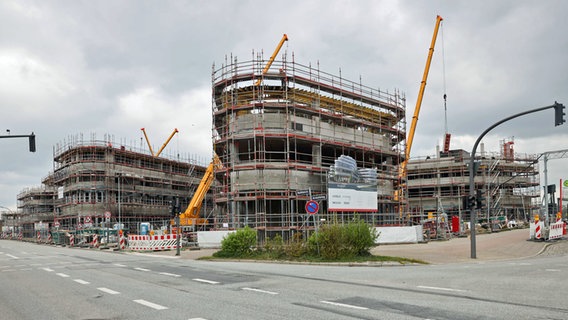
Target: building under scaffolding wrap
[{"x": 280, "y": 137}]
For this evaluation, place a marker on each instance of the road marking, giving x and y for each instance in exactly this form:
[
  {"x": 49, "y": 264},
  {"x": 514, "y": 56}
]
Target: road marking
[
  {"x": 63, "y": 275},
  {"x": 344, "y": 305},
  {"x": 48, "y": 270},
  {"x": 119, "y": 265},
  {"x": 150, "y": 304},
  {"x": 259, "y": 290},
  {"x": 2, "y": 267},
  {"x": 205, "y": 281},
  {"x": 170, "y": 274},
  {"x": 442, "y": 289},
  {"x": 81, "y": 281},
  {"x": 197, "y": 319},
  {"x": 141, "y": 269},
  {"x": 552, "y": 270},
  {"x": 12, "y": 256},
  {"x": 109, "y": 291}
]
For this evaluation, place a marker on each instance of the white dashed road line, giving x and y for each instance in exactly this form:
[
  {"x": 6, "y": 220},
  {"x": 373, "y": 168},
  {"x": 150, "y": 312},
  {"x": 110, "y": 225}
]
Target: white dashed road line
[
  {"x": 205, "y": 281},
  {"x": 109, "y": 291},
  {"x": 170, "y": 274},
  {"x": 259, "y": 290},
  {"x": 150, "y": 304},
  {"x": 12, "y": 256},
  {"x": 63, "y": 275},
  {"x": 141, "y": 269},
  {"x": 81, "y": 281},
  {"x": 48, "y": 270},
  {"x": 441, "y": 289},
  {"x": 119, "y": 265},
  {"x": 344, "y": 305}
]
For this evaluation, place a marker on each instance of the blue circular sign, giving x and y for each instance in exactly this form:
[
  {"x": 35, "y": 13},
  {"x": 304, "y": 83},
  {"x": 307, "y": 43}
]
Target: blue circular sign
[{"x": 312, "y": 207}]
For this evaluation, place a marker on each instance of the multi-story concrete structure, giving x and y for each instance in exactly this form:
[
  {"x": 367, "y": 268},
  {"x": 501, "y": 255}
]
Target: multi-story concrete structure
[
  {"x": 281, "y": 136},
  {"x": 94, "y": 178},
  {"x": 509, "y": 183}
]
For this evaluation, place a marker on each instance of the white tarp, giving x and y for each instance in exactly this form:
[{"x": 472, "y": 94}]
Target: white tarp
[
  {"x": 211, "y": 239},
  {"x": 400, "y": 234}
]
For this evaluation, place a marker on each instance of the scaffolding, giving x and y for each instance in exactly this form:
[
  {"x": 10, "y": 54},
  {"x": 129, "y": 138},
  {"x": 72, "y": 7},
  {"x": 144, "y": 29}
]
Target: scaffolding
[
  {"x": 509, "y": 183},
  {"x": 280, "y": 137}
]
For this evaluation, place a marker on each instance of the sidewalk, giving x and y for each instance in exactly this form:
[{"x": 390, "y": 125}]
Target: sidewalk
[{"x": 505, "y": 245}]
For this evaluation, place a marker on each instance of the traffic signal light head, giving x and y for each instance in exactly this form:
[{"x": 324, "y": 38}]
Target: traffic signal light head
[
  {"x": 471, "y": 201},
  {"x": 558, "y": 114},
  {"x": 32, "y": 142}
]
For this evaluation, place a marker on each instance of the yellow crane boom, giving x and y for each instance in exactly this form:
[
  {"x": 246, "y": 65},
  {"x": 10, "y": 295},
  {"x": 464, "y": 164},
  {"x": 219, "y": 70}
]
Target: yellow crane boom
[
  {"x": 272, "y": 57},
  {"x": 163, "y": 146},
  {"x": 412, "y": 130},
  {"x": 191, "y": 214}
]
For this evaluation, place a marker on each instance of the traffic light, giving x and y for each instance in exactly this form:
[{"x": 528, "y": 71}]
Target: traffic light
[
  {"x": 174, "y": 206},
  {"x": 479, "y": 199},
  {"x": 558, "y": 114},
  {"x": 471, "y": 202},
  {"x": 32, "y": 142}
]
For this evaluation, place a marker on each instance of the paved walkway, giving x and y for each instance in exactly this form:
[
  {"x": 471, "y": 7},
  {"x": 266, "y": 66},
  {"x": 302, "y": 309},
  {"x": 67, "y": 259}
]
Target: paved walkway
[{"x": 505, "y": 245}]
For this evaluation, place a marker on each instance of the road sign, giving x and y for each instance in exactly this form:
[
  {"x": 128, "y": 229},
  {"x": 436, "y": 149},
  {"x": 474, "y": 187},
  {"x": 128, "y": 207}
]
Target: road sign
[
  {"x": 319, "y": 197},
  {"x": 302, "y": 192},
  {"x": 312, "y": 207},
  {"x": 87, "y": 219},
  {"x": 107, "y": 214}
]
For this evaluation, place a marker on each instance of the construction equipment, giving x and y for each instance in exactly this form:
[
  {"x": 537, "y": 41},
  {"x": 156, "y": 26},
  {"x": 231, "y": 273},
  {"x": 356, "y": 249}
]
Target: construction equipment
[
  {"x": 410, "y": 138},
  {"x": 272, "y": 57},
  {"x": 163, "y": 146},
  {"x": 398, "y": 194},
  {"x": 191, "y": 215}
]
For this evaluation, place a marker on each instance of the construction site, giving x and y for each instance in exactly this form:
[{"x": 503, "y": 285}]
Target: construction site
[{"x": 289, "y": 140}]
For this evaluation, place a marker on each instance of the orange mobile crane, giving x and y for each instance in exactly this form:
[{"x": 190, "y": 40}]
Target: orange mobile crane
[
  {"x": 272, "y": 57},
  {"x": 409, "y": 140},
  {"x": 191, "y": 215},
  {"x": 163, "y": 146}
]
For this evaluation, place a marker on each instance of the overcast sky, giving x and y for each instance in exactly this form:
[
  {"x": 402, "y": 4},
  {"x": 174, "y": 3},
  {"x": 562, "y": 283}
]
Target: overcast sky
[{"x": 112, "y": 67}]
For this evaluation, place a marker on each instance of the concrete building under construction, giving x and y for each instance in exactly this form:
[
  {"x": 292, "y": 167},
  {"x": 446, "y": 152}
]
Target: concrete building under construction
[
  {"x": 508, "y": 185},
  {"x": 277, "y": 134},
  {"x": 100, "y": 183}
]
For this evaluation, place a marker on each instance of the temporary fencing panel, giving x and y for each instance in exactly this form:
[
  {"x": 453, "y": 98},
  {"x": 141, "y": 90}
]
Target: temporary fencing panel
[{"x": 556, "y": 230}]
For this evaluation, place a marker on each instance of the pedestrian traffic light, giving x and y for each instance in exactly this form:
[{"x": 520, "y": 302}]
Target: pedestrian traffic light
[
  {"x": 174, "y": 206},
  {"x": 558, "y": 114},
  {"x": 479, "y": 199},
  {"x": 32, "y": 142}
]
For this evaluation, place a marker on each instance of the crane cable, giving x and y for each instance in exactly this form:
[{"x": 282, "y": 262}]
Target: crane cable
[{"x": 444, "y": 82}]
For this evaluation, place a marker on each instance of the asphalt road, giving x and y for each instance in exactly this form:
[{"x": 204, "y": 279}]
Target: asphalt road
[{"x": 46, "y": 282}]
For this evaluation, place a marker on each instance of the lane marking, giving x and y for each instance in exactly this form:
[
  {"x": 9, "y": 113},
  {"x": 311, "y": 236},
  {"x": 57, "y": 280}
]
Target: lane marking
[
  {"x": 170, "y": 274},
  {"x": 197, "y": 319},
  {"x": 2, "y": 267},
  {"x": 109, "y": 291},
  {"x": 259, "y": 290},
  {"x": 441, "y": 289},
  {"x": 63, "y": 275},
  {"x": 48, "y": 270},
  {"x": 81, "y": 281},
  {"x": 553, "y": 270},
  {"x": 150, "y": 304},
  {"x": 12, "y": 256},
  {"x": 344, "y": 305},
  {"x": 205, "y": 281},
  {"x": 119, "y": 265},
  {"x": 141, "y": 269}
]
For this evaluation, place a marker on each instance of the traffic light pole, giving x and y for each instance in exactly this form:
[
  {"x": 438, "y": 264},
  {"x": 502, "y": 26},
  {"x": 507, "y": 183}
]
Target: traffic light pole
[
  {"x": 31, "y": 138},
  {"x": 559, "y": 119}
]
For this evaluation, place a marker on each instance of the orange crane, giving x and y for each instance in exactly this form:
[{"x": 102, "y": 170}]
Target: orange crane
[
  {"x": 272, "y": 57},
  {"x": 163, "y": 146},
  {"x": 412, "y": 130},
  {"x": 191, "y": 215}
]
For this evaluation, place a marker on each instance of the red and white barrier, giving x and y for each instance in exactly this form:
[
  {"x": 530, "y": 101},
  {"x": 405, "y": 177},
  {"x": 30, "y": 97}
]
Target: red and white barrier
[
  {"x": 122, "y": 243},
  {"x": 20, "y": 236},
  {"x": 95, "y": 241},
  {"x": 71, "y": 240},
  {"x": 38, "y": 236},
  {"x": 556, "y": 230},
  {"x": 49, "y": 240},
  {"x": 152, "y": 243}
]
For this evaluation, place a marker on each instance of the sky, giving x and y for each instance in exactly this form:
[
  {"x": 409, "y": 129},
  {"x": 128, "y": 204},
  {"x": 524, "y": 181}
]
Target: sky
[{"x": 105, "y": 69}]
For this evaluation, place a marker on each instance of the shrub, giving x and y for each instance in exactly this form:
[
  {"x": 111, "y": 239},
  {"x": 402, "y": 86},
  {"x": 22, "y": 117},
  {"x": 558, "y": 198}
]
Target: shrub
[
  {"x": 335, "y": 241},
  {"x": 274, "y": 247},
  {"x": 238, "y": 244},
  {"x": 360, "y": 237}
]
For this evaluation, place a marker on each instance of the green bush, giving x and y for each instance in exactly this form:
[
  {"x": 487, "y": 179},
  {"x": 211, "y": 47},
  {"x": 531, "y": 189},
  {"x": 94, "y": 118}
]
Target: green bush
[
  {"x": 296, "y": 247},
  {"x": 238, "y": 244},
  {"x": 360, "y": 237},
  {"x": 335, "y": 241},
  {"x": 274, "y": 247}
]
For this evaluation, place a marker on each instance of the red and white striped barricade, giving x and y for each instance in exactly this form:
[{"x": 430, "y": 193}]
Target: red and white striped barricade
[
  {"x": 122, "y": 242},
  {"x": 152, "y": 243},
  {"x": 49, "y": 239},
  {"x": 71, "y": 240},
  {"x": 38, "y": 237},
  {"x": 20, "y": 236},
  {"x": 556, "y": 230},
  {"x": 95, "y": 243}
]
